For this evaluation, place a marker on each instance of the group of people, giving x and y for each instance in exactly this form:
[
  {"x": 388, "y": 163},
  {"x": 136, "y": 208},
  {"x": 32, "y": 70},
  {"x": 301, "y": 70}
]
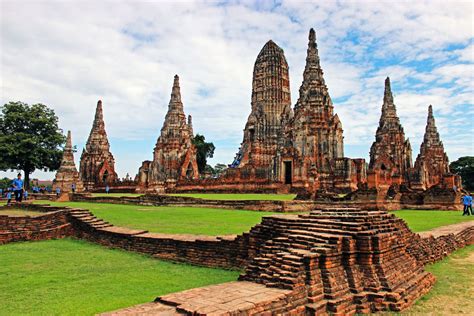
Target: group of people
[
  {"x": 17, "y": 190},
  {"x": 467, "y": 203}
]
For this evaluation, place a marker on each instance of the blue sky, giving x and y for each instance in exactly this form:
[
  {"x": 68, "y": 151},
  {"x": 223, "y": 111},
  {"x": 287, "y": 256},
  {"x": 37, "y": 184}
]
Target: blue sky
[{"x": 69, "y": 54}]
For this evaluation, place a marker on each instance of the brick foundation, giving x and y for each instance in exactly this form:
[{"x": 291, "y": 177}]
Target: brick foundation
[{"x": 336, "y": 261}]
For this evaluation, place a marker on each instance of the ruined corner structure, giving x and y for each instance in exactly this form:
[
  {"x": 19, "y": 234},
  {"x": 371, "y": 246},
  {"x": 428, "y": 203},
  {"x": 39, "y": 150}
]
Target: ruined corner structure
[
  {"x": 174, "y": 156},
  {"x": 393, "y": 180},
  {"x": 67, "y": 174},
  {"x": 283, "y": 150},
  {"x": 97, "y": 167}
]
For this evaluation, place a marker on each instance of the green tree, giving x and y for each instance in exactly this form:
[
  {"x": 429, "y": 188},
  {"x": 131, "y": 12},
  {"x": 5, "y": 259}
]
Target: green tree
[
  {"x": 204, "y": 150},
  {"x": 30, "y": 138},
  {"x": 219, "y": 169},
  {"x": 464, "y": 167}
]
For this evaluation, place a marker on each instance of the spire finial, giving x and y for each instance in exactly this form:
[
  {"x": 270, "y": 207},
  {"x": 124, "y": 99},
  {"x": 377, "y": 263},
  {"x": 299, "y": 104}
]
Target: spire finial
[
  {"x": 430, "y": 111},
  {"x": 68, "y": 141},
  {"x": 312, "y": 36},
  {"x": 388, "y": 97}
]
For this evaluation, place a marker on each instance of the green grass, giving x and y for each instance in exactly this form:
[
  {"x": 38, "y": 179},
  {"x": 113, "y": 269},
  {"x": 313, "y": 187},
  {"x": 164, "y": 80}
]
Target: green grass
[
  {"x": 421, "y": 220},
  {"x": 72, "y": 277},
  {"x": 173, "y": 220},
  {"x": 452, "y": 293},
  {"x": 237, "y": 196}
]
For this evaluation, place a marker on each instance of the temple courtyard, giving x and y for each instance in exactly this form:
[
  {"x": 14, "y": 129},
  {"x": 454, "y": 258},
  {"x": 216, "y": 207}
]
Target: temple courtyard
[{"x": 76, "y": 277}]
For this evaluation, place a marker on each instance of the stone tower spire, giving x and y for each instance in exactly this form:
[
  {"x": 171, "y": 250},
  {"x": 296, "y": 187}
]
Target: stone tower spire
[
  {"x": 174, "y": 155},
  {"x": 316, "y": 130},
  {"x": 97, "y": 163},
  {"x": 67, "y": 174},
  {"x": 270, "y": 107},
  {"x": 432, "y": 162},
  {"x": 175, "y": 100},
  {"x": 190, "y": 125},
  {"x": 390, "y": 152},
  {"x": 175, "y": 118}
]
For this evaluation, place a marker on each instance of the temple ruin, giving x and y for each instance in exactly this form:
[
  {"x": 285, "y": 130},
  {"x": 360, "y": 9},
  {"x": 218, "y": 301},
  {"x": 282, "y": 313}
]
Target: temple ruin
[
  {"x": 296, "y": 149},
  {"x": 174, "y": 156},
  {"x": 97, "y": 167},
  {"x": 432, "y": 163},
  {"x": 390, "y": 154},
  {"x": 311, "y": 153},
  {"x": 67, "y": 174}
]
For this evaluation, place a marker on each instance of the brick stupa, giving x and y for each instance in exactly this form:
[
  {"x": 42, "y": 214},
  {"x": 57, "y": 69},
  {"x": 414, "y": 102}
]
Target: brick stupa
[
  {"x": 97, "y": 162},
  {"x": 432, "y": 162},
  {"x": 390, "y": 154},
  {"x": 270, "y": 105},
  {"x": 67, "y": 174},
  {"x": 174, "y": 156}
]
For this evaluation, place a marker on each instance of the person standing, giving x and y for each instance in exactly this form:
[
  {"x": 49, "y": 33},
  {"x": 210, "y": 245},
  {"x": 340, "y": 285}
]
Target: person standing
[
  {"x": 58, "y": 191},
  {"x": 9, "y": 198},
  {"x": 467, "y": 203},
  {"x": 107, "y": 189},
  {"x": 73, "y": 188},
  {"x": 25, "y": 195},
  {"x": 18, "y": 188}
]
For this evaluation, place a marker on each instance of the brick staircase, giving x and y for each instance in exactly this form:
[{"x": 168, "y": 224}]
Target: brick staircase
[{"x": 345, "y": 260}]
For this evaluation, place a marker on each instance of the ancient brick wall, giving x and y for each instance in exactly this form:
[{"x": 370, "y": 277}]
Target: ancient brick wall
[
  {"x": 223, "y": 251},
  {"x": 429, "y": 248},
  {"x": 25, "y": 228}
]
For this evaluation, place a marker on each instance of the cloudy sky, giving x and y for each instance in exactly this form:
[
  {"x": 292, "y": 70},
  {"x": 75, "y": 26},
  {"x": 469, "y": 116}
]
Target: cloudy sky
[{"x": 68, "y": 54}]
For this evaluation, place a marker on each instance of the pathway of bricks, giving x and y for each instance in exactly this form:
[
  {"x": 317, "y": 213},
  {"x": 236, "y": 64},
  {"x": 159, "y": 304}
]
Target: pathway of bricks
[{"x": 212, "y": 300}]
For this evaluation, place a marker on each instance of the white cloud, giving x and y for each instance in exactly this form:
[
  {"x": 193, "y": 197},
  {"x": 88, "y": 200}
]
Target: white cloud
[{"x": 70, "y": 54}]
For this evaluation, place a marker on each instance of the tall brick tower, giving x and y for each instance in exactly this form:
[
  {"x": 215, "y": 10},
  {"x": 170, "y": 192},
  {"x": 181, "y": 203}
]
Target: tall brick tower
[
  {"x": 432, "y": 162},
  {"x": 390, "y": 154},
  {"x": 174, "y": 156},
  {"x": 315, "y": 132},
  {"x": 67, "y": 174},
  {"x": 271, "y": 104},
  {"x": 97, "y": 166}
]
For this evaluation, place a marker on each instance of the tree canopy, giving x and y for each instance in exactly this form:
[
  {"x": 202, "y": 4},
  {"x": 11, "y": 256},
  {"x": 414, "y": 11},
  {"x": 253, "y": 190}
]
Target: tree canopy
[
  {"x": 204, "y": 150},
  {"x": 464, "y": 167},
  {"x": 30, "y": 138}
]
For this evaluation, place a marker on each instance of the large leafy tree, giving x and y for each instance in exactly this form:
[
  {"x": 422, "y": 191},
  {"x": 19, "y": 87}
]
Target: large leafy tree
[
  {"x": 204, "y": 150},
  {"x": 30, "y": 138},
  {"x": 464, "y": 167}
]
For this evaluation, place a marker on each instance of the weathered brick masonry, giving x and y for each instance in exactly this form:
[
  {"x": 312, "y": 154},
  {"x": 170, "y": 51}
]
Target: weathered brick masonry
[{"x": 51, "y": 225}]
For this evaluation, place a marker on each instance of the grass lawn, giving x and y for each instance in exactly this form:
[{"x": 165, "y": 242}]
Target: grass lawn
[
  {"x": 173, "y": 220},
  {"x": 419, "y": 220},
  {"x": 73, "y": 277},
  {"x": 238, "y": 196},
  {"x": 452, "y": 293}
]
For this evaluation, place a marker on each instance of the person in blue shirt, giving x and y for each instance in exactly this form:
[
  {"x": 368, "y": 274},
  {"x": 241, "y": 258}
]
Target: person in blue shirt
[
  {"x": 18, "y": 188},
  {"x": 107, "y": 189},
  {"x": 58, "y": 191},
  {"x": 467, "y": 202},
  {"x": 25, "y": 195},
  {"x": 9, "y": 197}
]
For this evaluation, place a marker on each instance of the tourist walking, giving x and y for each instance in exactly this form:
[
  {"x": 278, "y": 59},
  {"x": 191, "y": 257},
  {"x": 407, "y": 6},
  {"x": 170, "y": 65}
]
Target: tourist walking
[
  {"x": 18, "y": 188},
  {"x": 9, "y": 198},
  {"x": 467, "y": 203},
  {"x": 58, "y": 191},
  {"x": 25, "y": 195}
]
